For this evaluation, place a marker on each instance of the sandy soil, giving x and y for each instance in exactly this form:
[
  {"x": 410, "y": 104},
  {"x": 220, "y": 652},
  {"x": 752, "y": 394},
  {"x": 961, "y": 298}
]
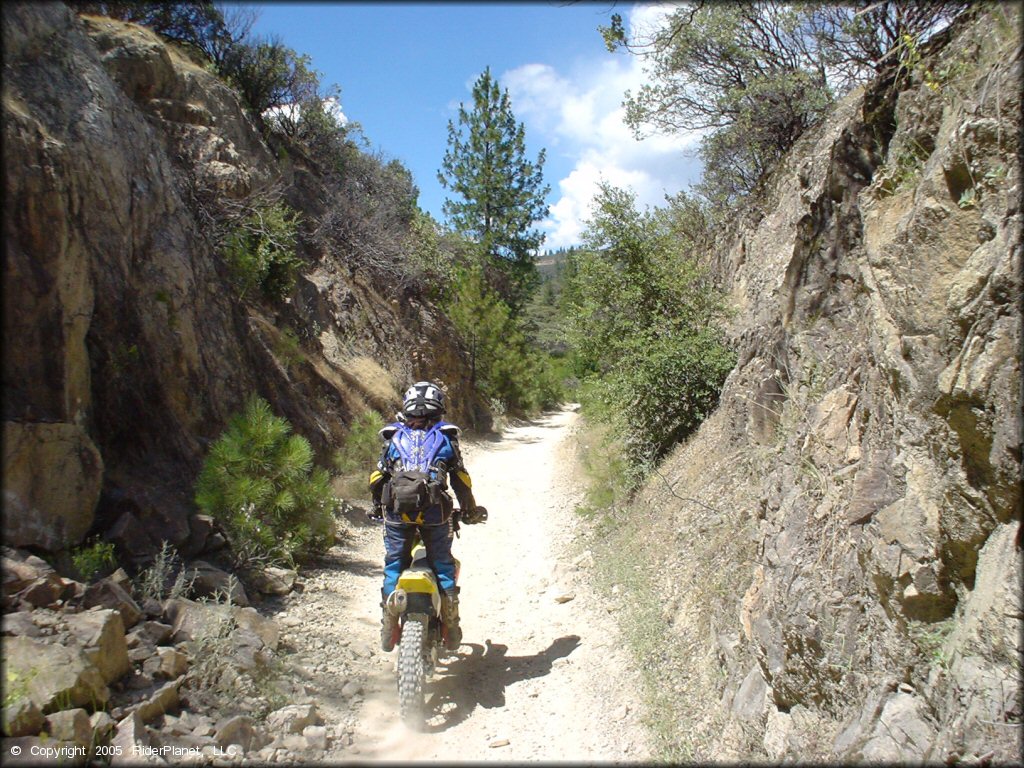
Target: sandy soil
[{"x": 541, "y": 674}]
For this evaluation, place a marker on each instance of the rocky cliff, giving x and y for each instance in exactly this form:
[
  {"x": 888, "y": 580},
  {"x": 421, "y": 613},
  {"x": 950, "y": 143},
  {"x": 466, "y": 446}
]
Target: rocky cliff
[
  {"x": 838, "y": 550},
  {"x": 126, "y": 348}
]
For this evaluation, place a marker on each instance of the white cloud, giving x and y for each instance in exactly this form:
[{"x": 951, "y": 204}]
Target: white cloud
[
  {"x": 292, "y": 112},
  {"x": 579, "y": 115}
]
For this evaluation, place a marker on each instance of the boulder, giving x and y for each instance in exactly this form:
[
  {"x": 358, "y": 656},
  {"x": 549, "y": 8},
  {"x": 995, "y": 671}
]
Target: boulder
[
  {"x": 42, "y": 593},
  {"x": 132, "y": 744},
  {"x": 30, "y": 579},
  {"x": 294, "y": 718},
  {"x": 236, "y": 730},
  {"x": 273, "y": 581},
  {"x": 210, "y": 581},
  {"x": 20, "y": 569},
  {"x": 172, "y": 663},
  {"x": 751, "y": 699},
  {"x": 39, "y": 512},
  {"x": 142, "y": 652},
  {"x": 315, "y": 736},
  {"x": 295, "y": 742},
  {"x": 200, "y": 528},
  {"x": 102, "y": 725},
  {"x": 164, "y": 699},
  {"x": 268, "y": 630},
  {"x": 148, "y": 633},
  {"x": 55, "y": 677},
  {"x": 19, "y": 623},
  {"x": 22, "y": 717},
  {"x": 903, "y": 732},
  {"x": 73, "y": 590},
  {"x": 122, "y": 579},
  {"x": 874, "y": 487},
  {"x": 132, "y": 539},
  {"x": 70, "y": 725},
  {"x": 190, "y": 619},
  {"x": 101, "y": 634},
  {"x": 248, "y": 651},
  {"x": 109, "y": 593},
  {"x": 830, "y": 425}
]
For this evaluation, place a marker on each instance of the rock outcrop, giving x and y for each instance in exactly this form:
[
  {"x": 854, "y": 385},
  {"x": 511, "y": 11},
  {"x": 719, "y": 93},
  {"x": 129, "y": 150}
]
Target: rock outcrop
[
  {"x": 199, "y": 680},
  {"x": 126, "y": 348},
  {"x": 839, "y": 546}
]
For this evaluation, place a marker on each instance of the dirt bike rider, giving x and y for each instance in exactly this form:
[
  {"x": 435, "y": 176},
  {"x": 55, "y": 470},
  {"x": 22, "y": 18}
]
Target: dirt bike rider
[{"x": 420, "y": 426}]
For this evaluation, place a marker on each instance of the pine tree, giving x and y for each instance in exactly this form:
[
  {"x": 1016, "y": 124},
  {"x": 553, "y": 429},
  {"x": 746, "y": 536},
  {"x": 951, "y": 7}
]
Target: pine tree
[{"x": 502, "y": 193}]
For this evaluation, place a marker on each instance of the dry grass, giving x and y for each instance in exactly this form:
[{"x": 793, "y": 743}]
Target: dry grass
[{"x": 677, "y": 560}]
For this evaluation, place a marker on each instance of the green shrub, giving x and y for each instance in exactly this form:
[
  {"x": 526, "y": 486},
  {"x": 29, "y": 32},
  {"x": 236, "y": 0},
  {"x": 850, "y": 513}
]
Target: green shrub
[
  {"x": 288, "y": 349},
  {"x": 94, "y": 559},
  {"x": 357, "y": 455},
  {"x": 643, "y": 323},
  {"x": 662, "y": 392},
  {"x": 259, "y": 482},
  {"x": 362, "y": 444},
  {"x": 505, "y": 365},
  {"x": 261, "y": 253}
]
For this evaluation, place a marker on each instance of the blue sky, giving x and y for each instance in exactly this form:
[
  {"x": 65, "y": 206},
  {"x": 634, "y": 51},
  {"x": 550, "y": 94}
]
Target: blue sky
[{"x": 403, "y": 69}]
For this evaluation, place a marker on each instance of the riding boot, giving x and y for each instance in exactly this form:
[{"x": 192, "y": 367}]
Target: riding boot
[
  {"x": 450, "y": 617},
  {"x": 388, "y": 622}
]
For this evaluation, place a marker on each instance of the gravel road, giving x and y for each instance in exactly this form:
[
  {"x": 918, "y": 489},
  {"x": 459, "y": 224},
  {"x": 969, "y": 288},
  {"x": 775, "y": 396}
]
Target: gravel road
[{"x": 541, "y": 674}]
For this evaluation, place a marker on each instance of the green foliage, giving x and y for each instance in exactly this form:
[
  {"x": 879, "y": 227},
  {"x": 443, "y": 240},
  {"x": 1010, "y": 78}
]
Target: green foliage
[
  {"x": 930, "y": 638},
  {"x": 902, "y": 168},
  {"x": 288, "y": 349},
  {"x": 258, "y": 480},
  {"x": 604, "y": 464},
  {"x": 504, "y": 364},
  {"x": 373, "y": 219},
  {"x": 357, "y": 455},
  {"x": 260, "y": 251},
  {"x": 268, "y": 75},
  {"x": 94, "y": 559},
  {"x": 662, "y": 391},
  {"x": 500, "y": 194},
  {"x": 643, "y": 325},
  {"x": 755, "y": 76},
  {"x": 16, "y": 687},
  {"x": 362, "y": 444},
  {"x": 433, "y": 255}
]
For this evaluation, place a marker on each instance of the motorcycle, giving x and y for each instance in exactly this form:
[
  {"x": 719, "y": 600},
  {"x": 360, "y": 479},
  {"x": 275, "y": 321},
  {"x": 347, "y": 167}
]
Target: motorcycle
[{"x": 420, "y": 634}]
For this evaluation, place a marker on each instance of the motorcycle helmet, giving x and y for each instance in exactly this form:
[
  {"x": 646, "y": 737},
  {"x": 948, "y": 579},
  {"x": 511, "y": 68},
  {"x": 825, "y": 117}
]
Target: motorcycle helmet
[{"x": 424, "y": 398}]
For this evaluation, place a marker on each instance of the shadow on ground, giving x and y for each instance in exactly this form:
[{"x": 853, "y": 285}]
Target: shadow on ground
[{"x": 480, "y": 678}]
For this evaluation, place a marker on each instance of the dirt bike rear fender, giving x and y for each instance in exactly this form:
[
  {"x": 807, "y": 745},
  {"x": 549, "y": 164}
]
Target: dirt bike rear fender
[{"x": 421, "y": 589}]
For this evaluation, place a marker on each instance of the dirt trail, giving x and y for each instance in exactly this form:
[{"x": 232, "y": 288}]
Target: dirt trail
[{"x": 541, "y": 674}]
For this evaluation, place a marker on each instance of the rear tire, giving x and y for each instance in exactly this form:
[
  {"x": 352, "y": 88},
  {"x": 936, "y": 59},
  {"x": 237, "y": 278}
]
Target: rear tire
[{"x": 411, "y": 673}]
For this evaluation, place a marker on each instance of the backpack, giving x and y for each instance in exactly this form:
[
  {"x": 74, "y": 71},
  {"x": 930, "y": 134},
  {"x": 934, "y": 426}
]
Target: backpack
[{"x": 412, "y": 490}]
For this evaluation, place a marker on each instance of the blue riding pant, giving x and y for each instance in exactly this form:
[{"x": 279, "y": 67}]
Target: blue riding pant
[{"x": 398, "y": 539}]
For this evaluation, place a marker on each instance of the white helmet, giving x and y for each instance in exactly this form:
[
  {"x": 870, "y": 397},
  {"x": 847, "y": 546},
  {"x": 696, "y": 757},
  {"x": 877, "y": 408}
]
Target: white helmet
[{"x": 424, "y": 398}]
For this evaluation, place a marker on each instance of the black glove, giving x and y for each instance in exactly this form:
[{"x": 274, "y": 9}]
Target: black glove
[
  {"x": 475, "y": 515},
  {"x": 376, "y": 515}
]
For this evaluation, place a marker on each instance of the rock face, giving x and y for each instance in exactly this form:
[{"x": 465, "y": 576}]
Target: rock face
[
  {"x": 126, "y": 348},
  {"x": 862, "y": 564}
]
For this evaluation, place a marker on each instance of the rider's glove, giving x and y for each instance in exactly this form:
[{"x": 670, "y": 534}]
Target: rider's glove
[
  {"x": 376, "y": 514},
  {"x": 475, "y": 515}
]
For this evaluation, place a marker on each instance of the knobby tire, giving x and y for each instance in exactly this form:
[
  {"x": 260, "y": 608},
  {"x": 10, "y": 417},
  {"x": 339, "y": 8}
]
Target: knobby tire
[{"x": 411, "y": 672}]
